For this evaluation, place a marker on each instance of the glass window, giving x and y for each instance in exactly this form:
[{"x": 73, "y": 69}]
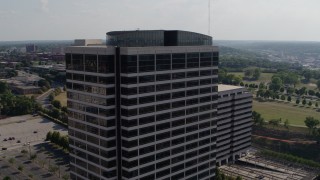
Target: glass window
[
  {"x": 146, "y": 63},
  {"x": 163, "y": 62},
  {"x": 192, "y": 60},
  {"x": 128, "y": 63},
  {"x": 106, "y": 64},
  {"x": 145, "y": 79},
  {"x": 91, "y": 63},
  {"x": 178, "y": 61},
  {"x": 77, "y": 62}
]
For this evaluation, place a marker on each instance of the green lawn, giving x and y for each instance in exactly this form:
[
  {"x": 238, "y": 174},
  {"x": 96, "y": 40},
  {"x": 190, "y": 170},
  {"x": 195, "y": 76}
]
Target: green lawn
[
  {"x": 265, "y": 77},
  {"x": 62, "y": 97},
  {"x": 275, "y": 110}
]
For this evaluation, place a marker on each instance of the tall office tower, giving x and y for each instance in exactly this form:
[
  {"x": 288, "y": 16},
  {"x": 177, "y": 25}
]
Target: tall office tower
[
  {"x": 31, "y": 48},
  {"x": 234, "y": 123},
  {"x": 143, "y": 106}
]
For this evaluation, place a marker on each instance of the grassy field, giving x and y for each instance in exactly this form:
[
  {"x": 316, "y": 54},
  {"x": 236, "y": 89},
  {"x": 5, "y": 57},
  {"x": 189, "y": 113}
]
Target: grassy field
[
  {"x": 275, "y": 110},
  {"x": 62, "y": 97},
  {"x": 265, "y": 77}
]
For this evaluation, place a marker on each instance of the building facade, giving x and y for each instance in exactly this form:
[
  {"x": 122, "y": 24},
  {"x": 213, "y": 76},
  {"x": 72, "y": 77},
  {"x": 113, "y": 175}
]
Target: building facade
[
  {"x": 234, "y": 123},
  {"x": 143, "y": 107}
]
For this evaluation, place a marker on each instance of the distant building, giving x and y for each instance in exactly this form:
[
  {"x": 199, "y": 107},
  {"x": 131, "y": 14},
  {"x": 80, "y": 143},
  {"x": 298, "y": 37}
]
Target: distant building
[
  {"x": 31, "y": 48},
  {"x": 57, "y": 51},
  {"x": 234, "y": 123}
]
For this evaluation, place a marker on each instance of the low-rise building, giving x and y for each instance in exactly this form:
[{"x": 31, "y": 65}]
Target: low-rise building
[{"x": 234, "y": 123}]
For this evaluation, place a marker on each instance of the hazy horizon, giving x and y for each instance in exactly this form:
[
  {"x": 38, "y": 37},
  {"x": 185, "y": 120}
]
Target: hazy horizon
[{"x": 272, "y": 20}]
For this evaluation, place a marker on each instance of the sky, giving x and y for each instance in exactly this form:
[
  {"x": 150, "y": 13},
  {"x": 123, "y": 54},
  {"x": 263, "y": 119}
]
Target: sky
[{"x": 281, "y": 20}]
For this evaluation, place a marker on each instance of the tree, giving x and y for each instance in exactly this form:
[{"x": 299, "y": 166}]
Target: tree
[
  {"x": 297, "y": 101},
  {"x": 51, "y": 97},
  {"x": 289, "y": 98},
  {"x": 276, "y": 84},
  {"x": 55, "y": 113},
  {"x": 318, "y": 84},
  {"x": 290, "y": 90},
  {"x": 311, "y": 123},
  {"x": 256, "y": 74},
  {"x": 53, "y": 169},
  {"x": 310, "y": 103},
  {"x": 257, "y": 119},
  {"x": 44, "y": 83},
  {"x": 56, "y": 104},
  {"x": 304, "y": 102},
  {"x": 49, "y": 136},
  {"x": 3, "y": 87},
  {"x": 239, "y": 178},
  {"x": 55, "y": 137},
  {"x": 311, "y": 92},
  {"x": 317, "y": 104},
  {"x": 286, "y": 124},
  {"x": 302, "y": 91},
  {"x": 66, "y": 177},
  {"x": 307, "y": 75},
  {"x": 283, "y": 97},
  {"x": 64, "y": 142},
  {"x": 248, "y": 73},
  {"x": 20, "y": 168},
  {"x": 275, "y": 122},
  {"x": 282, "y": 89},
  {"x": 11, "y": 160},
  {"x": 7, "y": 178}
]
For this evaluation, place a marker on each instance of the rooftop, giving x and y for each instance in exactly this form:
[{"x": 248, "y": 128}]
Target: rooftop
[
  {"x": 143, "y": 38},
  {"x": 224, "y": 87}
]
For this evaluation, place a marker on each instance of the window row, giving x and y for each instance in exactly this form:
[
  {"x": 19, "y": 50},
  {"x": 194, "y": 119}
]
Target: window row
[
  {"x": 167, "y": 87},
  {"x": 91, "y": 89},
  {"x": 91, "y": 99},
  {"x": 92, "y": 129},
  {"x": 168, "y": 133},
  {"x": 203, "y": 155},
  {"x": 172, "y": 114},
  {"x": 93, "y": 149},
  {"x": 91, "y": 79},
  {"x": 91, "y": 139},
  {"x": 91, "y": 119},
  {"x": 163, "y": 62},
  {"x": 90, "y": 63},
  {"x": 91, "y": 109}
]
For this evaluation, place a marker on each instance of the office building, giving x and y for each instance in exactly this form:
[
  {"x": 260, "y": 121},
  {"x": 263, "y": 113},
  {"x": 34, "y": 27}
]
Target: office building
[
  {"x": 143, "y": 106},
  {"x": 31, "y": 48},
  {"x": 234, "y": 123}
]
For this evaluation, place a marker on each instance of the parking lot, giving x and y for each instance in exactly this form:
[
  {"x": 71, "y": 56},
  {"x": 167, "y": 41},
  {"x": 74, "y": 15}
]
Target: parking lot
[
  {"x": 27, "y": 134},
  {"x": 26, "y": 129}
]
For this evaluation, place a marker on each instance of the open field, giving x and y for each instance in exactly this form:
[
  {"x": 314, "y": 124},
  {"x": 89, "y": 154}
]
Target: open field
[
  {"x": 62, "y": 97},
  {"x": 265, "y": 77},
  {"x": 284, "y": 110}
]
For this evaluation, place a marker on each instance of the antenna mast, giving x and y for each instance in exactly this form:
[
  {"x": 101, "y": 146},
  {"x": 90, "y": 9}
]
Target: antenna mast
[{"x": 209, "y": 17}]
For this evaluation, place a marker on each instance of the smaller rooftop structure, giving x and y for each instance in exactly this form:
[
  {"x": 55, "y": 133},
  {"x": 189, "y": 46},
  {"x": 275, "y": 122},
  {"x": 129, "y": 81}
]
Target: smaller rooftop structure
[
  {"x": 143, "y": 38},
  {"x": 224, "y": 87},
  {"x": 87, "y": 42}
]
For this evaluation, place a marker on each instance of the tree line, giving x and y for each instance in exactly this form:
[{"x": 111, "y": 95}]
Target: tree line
[{"x": 58, "y": 139}]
